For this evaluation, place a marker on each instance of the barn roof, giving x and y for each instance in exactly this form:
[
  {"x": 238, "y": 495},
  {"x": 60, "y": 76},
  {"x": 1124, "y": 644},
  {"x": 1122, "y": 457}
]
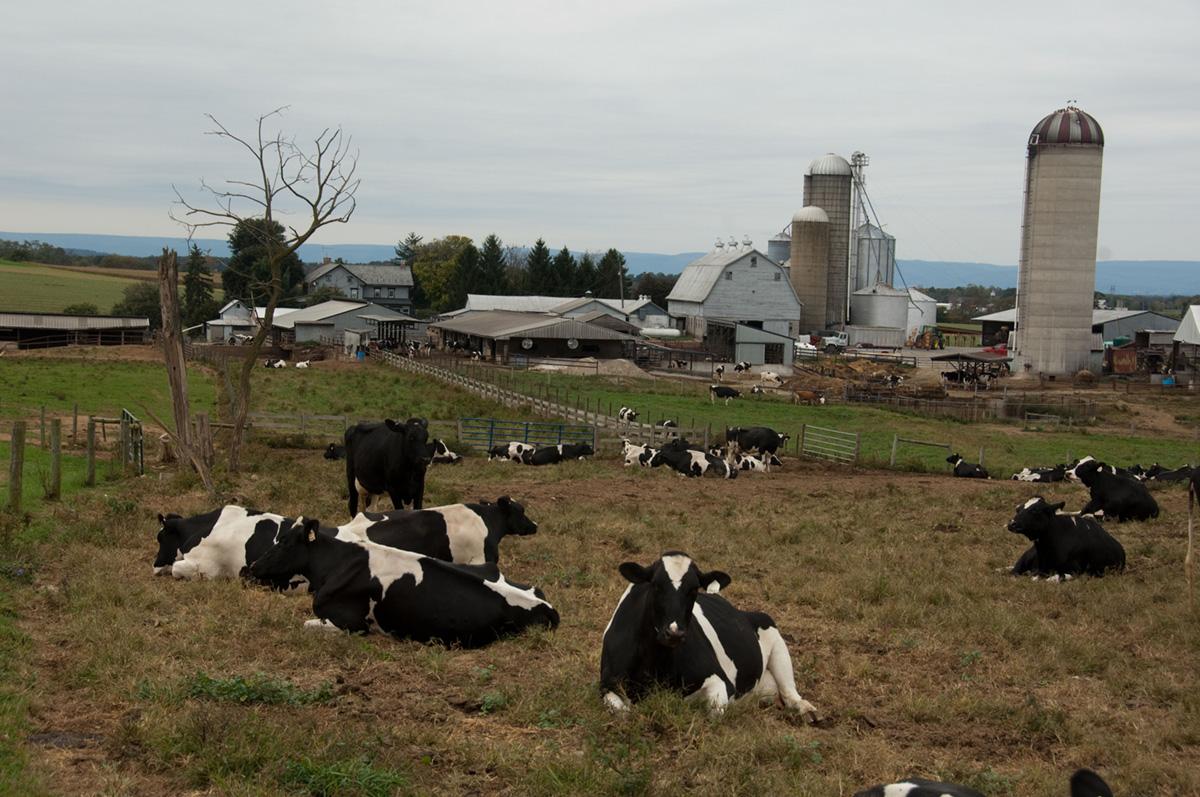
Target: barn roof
[
  {"x": 21, "y": 320},
  {"x": 375, "y": 274},
  {"x": 697, "y": 279},
  {"x": 502, "y": 324}
]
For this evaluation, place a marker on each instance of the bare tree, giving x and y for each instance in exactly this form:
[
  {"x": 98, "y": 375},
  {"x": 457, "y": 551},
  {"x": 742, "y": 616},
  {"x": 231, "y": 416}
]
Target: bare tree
[{"x": 315, "y": 185}]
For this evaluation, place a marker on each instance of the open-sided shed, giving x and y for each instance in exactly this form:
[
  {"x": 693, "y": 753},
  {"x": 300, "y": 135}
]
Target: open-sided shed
[{"x": 974, "y": 364}]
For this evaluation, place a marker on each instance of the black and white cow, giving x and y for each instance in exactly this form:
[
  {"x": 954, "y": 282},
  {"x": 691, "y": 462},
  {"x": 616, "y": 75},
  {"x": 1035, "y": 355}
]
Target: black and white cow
[
  {"x": 719, "y": 372},
  {"x": 552, "y": 455},
  {"x": 335, "y": 451},
  {"x": 720, "y": 392},
  {"x": 1042, "y": 475},
  {"x": 750, "y": 462},
  {"x": 627, "y": 414},
  {"x": 439, "y": 452},
  {"x": 510, "y": 452},
  {"x": 1158, "y": 473},
  {"x": 671, "y": 629},
  {"x": 741, "y": 366},
  {"x": 692, "y": 463},
  {"x": 304, "y": 364},
  {"x": 667, "y": 423},
  {"x": 1117, "y": 495},
  {"x": 967, "y": 470},
  {"x": 216, "y": 544},
  {"x": 1064, "y": 545},
  {"x": 1084, "y": 783},
  {"x": 757, "y": 390},
  {"x": 389, "y": 457},
  {"x": 274, "y": 363},
  {"x": 762, "y": 439},
  {"x": 358, "y": 586},
  {"x": 637, "y": 455},
  {"x": 466, "y": 534}
]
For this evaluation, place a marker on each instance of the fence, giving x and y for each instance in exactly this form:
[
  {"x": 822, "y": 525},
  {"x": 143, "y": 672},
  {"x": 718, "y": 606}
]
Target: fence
[
  {"x": 299, "y": 423},
  {"x": 823, "y": 443},
  {"x": 897, "y": 440},
  {"x": 854, "y": 354},
  {"x": 484, "y": 433},
  {"x": 520, "y": 361},
  {"x": 1038, "y": 419}
]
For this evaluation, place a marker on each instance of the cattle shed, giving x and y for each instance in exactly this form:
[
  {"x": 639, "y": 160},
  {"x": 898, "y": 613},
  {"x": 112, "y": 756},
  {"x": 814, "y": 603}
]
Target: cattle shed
[
  {"x": 976, "y": 363},
  {"x": 1107, "y": 325},
  {"x": 736, "y": 342},
  {"x": 499, "y": 334},
  {"x": 329, "y": 320},
  {"x": 45, "y": 330}
]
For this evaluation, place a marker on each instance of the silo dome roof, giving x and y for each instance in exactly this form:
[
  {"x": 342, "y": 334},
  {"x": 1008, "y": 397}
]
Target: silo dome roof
[
  {"x": 1068, "y": 126},
  {"x": 830, "y": 163},
  {"x": 811, "y": 213}
]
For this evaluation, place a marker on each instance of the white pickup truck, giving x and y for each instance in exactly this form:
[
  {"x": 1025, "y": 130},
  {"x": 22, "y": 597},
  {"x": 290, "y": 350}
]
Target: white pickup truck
[{"x": 833, "y": 342}]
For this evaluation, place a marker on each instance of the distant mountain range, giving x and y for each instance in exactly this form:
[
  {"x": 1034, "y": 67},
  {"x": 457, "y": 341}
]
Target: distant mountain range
[{"x": 1112, "y": 276}]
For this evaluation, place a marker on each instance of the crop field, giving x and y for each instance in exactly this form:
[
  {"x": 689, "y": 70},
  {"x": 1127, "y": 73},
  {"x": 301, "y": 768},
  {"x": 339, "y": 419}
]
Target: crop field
[
  {"x": 37, "y": 288},
  {"x": 923, "y": 658}
]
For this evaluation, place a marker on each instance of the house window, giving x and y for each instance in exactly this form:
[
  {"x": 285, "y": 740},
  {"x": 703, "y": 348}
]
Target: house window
[
  {"x": 728, "y": 275},
  {"x": 378, "y": 292},
  {"x": 778, "y": 276},
  {"x": 391, "y": 293},
  {"x": 354, "y": 293},
  {"x": 753, "y": 262}
]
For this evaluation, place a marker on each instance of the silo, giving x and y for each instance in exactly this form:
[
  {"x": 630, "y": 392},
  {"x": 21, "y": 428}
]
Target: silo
[
  {"x": 922, "y": 311},
  {"x": 809, "y": 260},
  {"x": 1057, "y": 275},
  {"x": 876, "y": 261},
  {"x": 779, "y": 247},
  {"x": 880, "y": 306},
  {"x": 827, "y": 185}
]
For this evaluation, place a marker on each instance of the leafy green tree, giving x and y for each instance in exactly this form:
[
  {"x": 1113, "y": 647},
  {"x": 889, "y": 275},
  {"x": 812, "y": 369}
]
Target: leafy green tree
[
  {"x": 656, "y": 286},
  {"x": 586, "y": 275},
  {"x": 611, "y": 275},
  {"x": 323, "y": 294},
  {"x": 466, "y": 277},
  {"x": 248, "y": 273},
  {"x": 565, "y": 273},
  {"x": 493, "y": 268},
  {"x": 141, "y": 300},
  {"x": 83, "y": 308},
  {"x": 434, "y": 268},
  {"x": 198, "y": 302},
  {"x": 540, "y": 270}
]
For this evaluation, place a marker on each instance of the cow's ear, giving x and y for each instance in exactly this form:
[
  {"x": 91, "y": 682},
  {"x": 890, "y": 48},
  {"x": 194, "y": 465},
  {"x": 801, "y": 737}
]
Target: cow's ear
[
  {"x": 393, "y": 425},
  {"x": 310, "y": 529},
  {"x": 504, "y": 501},
  {"x": 719, "y": 578},
  {"x": 1058, "y": 506},
  {"x": 634, "y": 573},
  {"x": 162, "y": 520}
]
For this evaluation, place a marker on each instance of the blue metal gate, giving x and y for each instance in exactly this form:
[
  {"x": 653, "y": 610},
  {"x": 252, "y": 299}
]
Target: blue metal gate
[{"x": 484, "y": 433}]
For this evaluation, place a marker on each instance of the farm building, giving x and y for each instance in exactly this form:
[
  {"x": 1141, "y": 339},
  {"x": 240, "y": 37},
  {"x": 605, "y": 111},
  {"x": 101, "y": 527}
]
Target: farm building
[
  {"x": 45, "y": 330},
  {"x": 730, "y": 341},
  {"x": 641, "y": 312},
  {"x": 235, "y": 318},
  {"x": 1107, "y": 325},
  {"x": 737, "y": 284},
  {"x": 502, "y": 334},
  {"x": 331, "y": 319},
  {"x": 386, "y": 284}
]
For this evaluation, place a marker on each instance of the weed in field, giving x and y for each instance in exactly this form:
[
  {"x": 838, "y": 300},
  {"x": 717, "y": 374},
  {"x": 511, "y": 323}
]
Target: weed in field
[
  {"x": 348, "y": 778},
  {"x": 258, "y": 688}
]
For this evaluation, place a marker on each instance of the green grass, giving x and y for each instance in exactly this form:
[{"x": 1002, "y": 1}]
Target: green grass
[
  {"x": 14, "y": 645},
  {"x": 36, "y": 475},
  {"x": 258, "y": 688},
  {"x": 33, "y": 288}
]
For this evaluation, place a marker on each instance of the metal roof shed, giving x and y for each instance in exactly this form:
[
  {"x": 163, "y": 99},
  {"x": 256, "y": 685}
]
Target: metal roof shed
[{"x": 501, "y": 333}]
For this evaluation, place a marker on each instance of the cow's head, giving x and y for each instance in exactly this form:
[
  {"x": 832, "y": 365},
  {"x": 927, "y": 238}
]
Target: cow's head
[
  {"x": 289, "y": 556},
  {"x": 580, "y": 450},
  {"x": 170, "y": 540},
  {"x": 334, "y": 451},
  {"x": 515, "y": 519},
  {"x": 1035, "y": 517},
  {"x": 413, "y": 436},
  {"x": 954, "y": 459},
  {"x": 674, "y": 581},
  {"x": 1083, "y": 470}
]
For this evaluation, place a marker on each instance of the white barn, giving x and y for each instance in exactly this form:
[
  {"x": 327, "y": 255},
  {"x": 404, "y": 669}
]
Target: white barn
[{"x": 738, "y": 284}]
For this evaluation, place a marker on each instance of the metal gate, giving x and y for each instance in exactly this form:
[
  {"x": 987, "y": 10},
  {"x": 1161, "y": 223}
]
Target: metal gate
[
  {"x": 484, "y": 433},
  {"x": 817, "y": 441}
]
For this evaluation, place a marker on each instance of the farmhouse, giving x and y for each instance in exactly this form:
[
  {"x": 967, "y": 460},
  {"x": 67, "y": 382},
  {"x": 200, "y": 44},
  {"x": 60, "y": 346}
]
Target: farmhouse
[
  {"x": 386, "y": 284},
  {"x": 504, "y": 334},
  {"x": 44, "y": 330},
  {"x": 735, "y": 284}
]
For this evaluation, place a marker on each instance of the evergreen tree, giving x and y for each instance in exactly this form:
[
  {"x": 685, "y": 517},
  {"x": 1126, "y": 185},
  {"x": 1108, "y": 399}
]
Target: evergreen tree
[
  {"x": 539, "y": 270},
  {"x": 466, "y": 277},
  {"x": 406, "y": 255},
  {"x": 565, "y": 273},
  {"x": 586, "y": 275},
  {"x": 493, "y": 267},
  {"x": 611, "y": 275},
  {"x": 198, "y": 302},
  {"x": 248, "y": 273}
]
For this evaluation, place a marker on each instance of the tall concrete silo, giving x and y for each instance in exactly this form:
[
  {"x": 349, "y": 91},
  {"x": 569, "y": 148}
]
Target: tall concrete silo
[
  {"x": 809, "y": 266},
  {"x": 1058, "y": 244},
  {"x": 827, "y": 186}
]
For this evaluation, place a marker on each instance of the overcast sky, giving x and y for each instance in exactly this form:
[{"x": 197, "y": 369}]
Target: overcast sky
[{"x": 650, "y": 126}]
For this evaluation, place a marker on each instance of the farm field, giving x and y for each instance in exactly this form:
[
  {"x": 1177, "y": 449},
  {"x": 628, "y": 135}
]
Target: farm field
[
  {"x": 37, "y": 288},
  {"x": 924, "y": 659}
]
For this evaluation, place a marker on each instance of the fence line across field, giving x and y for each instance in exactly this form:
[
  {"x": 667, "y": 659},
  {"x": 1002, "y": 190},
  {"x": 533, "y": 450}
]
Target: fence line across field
[{"x": 897, "y": 440}]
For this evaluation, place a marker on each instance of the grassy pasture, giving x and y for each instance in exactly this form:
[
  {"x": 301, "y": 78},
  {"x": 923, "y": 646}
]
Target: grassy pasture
[
  {"x": 38, "y": 288},
  {"x": 925, "y": 659}
]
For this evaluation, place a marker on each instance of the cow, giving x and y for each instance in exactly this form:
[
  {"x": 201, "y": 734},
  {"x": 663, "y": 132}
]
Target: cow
[
  {"x": 672, "y": 629},
  {"x": 335, "y": 451},
  {"x": 750, "y": 462},
  {"x": 719, "y": 392},
  {"x": 389, "y": 457},
  {"x": 510, "y": 452},
  {"x": 466, "y": 534},
  {"x": 274, "y": 363},
  {"x": 762, "y": 439},
  {"x": 1042, "y": 475},
  {"x": 552, "y": 455},
  {"x": 957, "y": 378},
  {"x": 667, "y": 423},
  {"x": 771, "y": 377},
  {"x": 1084, "y": 783},
  {"x": 1066, "y": 544},
  {"x": 1158, "y": 473},
  {"x": 1117, "y": 495},
  {"x": 967, "y": 470},
  {"x": 358, "y": 585},
  {"x": 679, "y": 363},
  {"x": 303, "y": 363},
  {"x": 809, "y": 397},
  {"x": 692, "y": 463},
  {"x": 757, "y": 390},
  {"x": 741, "y": 366},
  {"x": 217, "y": 544},
  {"x": 719, "y": 372},
  {"x": 627, "y": 414},
  {"x": 439, "y": 452},
  {"x": 637, "y": 455}
]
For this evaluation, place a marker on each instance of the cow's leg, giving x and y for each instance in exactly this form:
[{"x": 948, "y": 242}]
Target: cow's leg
[
  {"x": 1090, "y": 507},
  {"x": 317, "y": 624},
  {"x": 185, "y": 568},
  {"x": 713, "y": 692},
  {"x": 777, "y": 663}
]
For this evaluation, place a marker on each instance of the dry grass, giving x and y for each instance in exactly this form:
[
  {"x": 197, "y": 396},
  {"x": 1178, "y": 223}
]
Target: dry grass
[{"x": 926, "y": 660}]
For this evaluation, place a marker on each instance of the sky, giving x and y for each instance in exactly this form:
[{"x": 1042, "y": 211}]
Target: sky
[{"x": 649, "y": 126}]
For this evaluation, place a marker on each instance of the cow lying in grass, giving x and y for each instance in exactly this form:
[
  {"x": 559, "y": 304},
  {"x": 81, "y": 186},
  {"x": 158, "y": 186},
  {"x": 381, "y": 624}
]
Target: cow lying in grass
[
  {"x": 1063, "y": 545},
  {"x": 1084, "y": 783},
  {"x": 217, "y": 544},
  {"x": 1117, "y": 495}
]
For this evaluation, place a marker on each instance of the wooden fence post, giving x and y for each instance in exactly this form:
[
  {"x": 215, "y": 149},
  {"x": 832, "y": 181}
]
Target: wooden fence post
[
  {"x": 895, "y": 442},
  {"x": 16, "y": 467},
  {"x": 91, "y": 452},
  {"x": 42, "y": 436},
  {"x": 75, "y": 423},
  {"x": 981, "y": 456},
  {"x": 123, "y": 445},
  {"x": 55, "y": 491}
]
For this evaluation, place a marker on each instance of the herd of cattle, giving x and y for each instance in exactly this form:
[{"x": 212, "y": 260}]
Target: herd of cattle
[{"x": 433, "y": 574}]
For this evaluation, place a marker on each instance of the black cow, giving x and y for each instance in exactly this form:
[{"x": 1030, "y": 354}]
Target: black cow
[
  {"x": 335, "y": 451},
  {"x": 1114, "y": 494},
  {"x": 671, "y": 629},
  {"x": 967, "y": 470},
  {"x": 762, "y": 439},
  {"x": 1084, "y": 783},
  {"x": 1158, "y": 473},
  {"x": 389, "y": 457},
  {"x": 552, "y": 455},
  {"x": 216, "y": 544},
  {"x": 692, "y": 463},
  {"x": 467, "y": 534},
  {"x": 720, "y": 392},
  {"x": 1065, "y": 545},
  {"x": 359, "y": 585}
]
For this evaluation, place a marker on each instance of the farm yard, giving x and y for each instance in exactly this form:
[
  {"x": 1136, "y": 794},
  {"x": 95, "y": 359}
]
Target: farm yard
[{"x": 922, "y": 658}]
